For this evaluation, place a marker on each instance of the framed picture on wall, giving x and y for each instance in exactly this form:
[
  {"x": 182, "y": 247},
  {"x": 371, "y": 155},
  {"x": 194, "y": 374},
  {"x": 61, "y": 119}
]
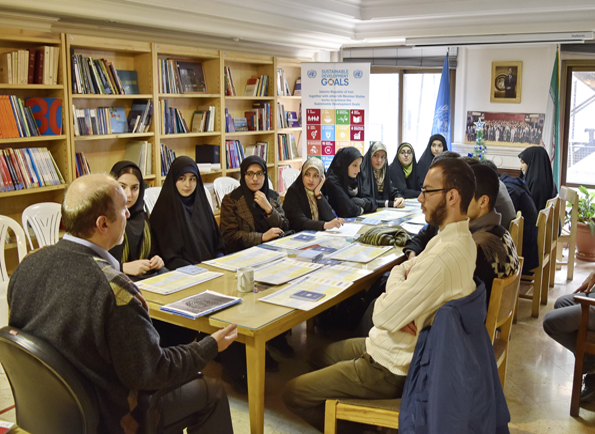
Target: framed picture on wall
[{"x": 506, "y": 82}]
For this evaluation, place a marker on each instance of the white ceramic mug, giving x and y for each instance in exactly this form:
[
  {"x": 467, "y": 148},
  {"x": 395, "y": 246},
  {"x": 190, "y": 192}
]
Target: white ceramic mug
[{"x": 245, "y": 279}]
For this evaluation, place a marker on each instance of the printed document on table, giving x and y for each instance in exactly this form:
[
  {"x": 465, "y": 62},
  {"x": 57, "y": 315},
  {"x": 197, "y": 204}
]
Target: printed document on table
[
  {"x": 357, "y": 252},
  {"x": 298, "y": 241},
  {"x": 175, "y": 281},
  {"x": 387, "y": 215},
  {"x": 283, "y": 271},
  {"x": 347, "y": 230},
  {"x": 341, "y": 273},
  {"x": 412, "y": 229},
  {"x": 330, "y": 289},
  {"x": 246, "y": 258},
  {"x": 201, "y": 304},
  {"x": 418, "y": 220}
]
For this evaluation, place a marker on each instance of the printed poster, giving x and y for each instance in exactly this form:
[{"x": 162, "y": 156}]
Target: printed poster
[{"x": 335, "y": 108}]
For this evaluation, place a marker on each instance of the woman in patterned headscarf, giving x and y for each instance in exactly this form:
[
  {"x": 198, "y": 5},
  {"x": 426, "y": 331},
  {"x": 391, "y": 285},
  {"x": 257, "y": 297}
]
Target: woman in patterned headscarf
[{"x": 376, "y": 180}]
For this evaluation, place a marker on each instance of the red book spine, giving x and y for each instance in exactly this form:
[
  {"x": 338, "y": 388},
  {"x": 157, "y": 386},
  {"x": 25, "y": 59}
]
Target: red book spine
[
  {"x": 38, "y": 72},
  {"x": 5, "y": 173},
  {"x": 31, "y": 74}
]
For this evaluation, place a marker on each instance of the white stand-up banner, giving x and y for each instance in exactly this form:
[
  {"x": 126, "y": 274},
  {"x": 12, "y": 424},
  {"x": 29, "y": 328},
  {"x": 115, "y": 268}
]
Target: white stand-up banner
[{"x": 335, "y": 99}]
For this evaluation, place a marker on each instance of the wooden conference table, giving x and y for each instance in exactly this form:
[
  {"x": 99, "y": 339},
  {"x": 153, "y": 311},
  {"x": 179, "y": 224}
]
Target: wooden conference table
[{"x": 258, "y": 322}]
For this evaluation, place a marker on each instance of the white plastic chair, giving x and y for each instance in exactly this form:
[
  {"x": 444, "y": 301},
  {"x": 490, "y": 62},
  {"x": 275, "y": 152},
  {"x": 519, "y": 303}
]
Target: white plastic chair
[
  {"x": 151, "y": 195},
  {"x": 223, "y": 186},
  {"x": 44, "y": 219},
  {"x": 208, "y": 194},
  {"x": 271, "y": 186},
  {"x": 289, "y": 176},
  {"x": 5, "y": 224}
]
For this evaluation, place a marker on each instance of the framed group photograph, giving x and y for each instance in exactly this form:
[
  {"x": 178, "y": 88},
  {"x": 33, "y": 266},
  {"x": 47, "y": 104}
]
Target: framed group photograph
[
  {"x": 506, "y": 129},
  {"x": 506, "y": 81}
]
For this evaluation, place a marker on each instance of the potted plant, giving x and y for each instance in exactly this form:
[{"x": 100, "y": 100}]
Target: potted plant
[{"x": 585, "y": 231}]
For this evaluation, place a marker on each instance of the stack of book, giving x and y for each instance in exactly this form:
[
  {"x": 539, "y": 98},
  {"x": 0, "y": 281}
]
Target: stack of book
[
  {"x": 17, "y": 118},
  {"x": 172, "y": 119},
  {"x": 282, "y": 86},
  {"x": 34, "y": 66},
  {"x": 257, "y": 85},
  {"x": 178, "y": 76},
  {"x": 167, "y": 157},
  {"x": 99, "y": 121},
  {"x": 282, "y": 116},
  {"x": 260, "y": 148},
  {"x": 203, "y": 119},
  {"x": 28, "y": 168},
  {"x": 207, "y": 157},
  {"x": 234, "y": 152},
  {"x": 141, "y": 153},
  {"x": 287, "y": 146},
  {"x": 230, "y": 89},
  {"x": 82, "y": 166},
  {"x": 95, "y": 76},
  {"x": 259, "y": 118}
]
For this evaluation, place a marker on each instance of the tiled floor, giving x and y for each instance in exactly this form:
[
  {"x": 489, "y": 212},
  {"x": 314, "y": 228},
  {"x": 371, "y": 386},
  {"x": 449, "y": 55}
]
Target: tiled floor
[{"x": 537, "y": 389}]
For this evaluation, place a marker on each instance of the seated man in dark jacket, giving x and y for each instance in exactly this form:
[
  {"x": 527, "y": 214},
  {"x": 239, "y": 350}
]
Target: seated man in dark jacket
[{"x": 73, "y": 296}]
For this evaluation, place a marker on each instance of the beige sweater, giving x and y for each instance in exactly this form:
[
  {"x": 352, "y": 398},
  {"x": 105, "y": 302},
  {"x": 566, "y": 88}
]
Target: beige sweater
[{"x": 416, "y": 289}]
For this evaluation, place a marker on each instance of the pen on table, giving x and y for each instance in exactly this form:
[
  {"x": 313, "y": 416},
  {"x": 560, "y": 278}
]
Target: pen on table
[{"x": 337, "y": 217}]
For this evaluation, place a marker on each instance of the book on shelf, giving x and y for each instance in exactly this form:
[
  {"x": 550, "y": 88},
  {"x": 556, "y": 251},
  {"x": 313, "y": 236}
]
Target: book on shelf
[
  {"x": 33, "y": 66},
  {"x": 47, "y": 113},
  {"x": 297, "y": 90},
  {"x": 139, "y": 116},
  {"x": 128, "y": 81},
  {"x": 208, "y": 118},
  {"x": 292, "y": 120},
  {"x": 94, "y": 76},
  {"x": 18, "y": 120},
  {"x": 140, "y": 152},
  {"x": 240, "y": 124},
  {"x": 282, "y": 85},
  {"x": 210, "y": 154},
  {"x": 118, "y": 121},
  {"x": 229, "y": 127},
  {"x": 260, "y": 148},
  {"x": 167, "y": 157},
  {"x": 28, "y": 168},
  {"x": 234, "y": 153},
  {"x": 201, "y": 304},
  {"x": 230, "y": 89},
  {"x": 264, "y": 115},
  {"x": 82, "y": 165},
  {"x": 282, "y": 116},
  {"x": 95, "y": 122},
  {"x": 287, "y": 146},
  {"x": 192, "y": 77}
]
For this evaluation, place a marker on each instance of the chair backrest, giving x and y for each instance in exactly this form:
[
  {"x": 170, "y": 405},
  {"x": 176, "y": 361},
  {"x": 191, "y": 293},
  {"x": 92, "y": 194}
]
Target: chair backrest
[
  {"x": 569, "y": 198},
  {"x": 289, "y": 176},
  {"x": 503, "y": 300},
  {"x": 51, "y": 396},
  {"x": 223, "y": 186},
  {"x": 44, "y": 219},
  {"x": 5, "y": 224},
  {"x": 271, "y": 186},
  {"x": 151, "y": 195},
  {"x": 555, "y": 204},
  {"x": 208, "y": 195},
  {"x": 516, "y": 232},
  {"x": 544, "y": 234}
]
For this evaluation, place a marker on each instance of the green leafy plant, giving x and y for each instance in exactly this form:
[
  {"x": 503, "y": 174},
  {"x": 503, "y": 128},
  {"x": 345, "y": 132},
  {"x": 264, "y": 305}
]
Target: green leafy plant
[{"x": 586, "y": 208}]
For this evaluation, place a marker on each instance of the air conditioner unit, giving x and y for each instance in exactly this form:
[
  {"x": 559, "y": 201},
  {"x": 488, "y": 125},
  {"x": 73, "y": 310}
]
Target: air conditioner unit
[{"x": 515, "y": 38}]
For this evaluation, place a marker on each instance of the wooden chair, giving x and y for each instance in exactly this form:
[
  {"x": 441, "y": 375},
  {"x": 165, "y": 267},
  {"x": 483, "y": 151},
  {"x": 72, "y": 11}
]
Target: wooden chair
[
  {"x": 379, "y": 412},
  {"x": 568, "y": 196},
  {"x": 516, "y": 230},
  {"x": 501, "y": 308},
  {"x": 539, "y": 282},
  {"x": 556, "y": 203},
  {"x": 585, "y": 344}
]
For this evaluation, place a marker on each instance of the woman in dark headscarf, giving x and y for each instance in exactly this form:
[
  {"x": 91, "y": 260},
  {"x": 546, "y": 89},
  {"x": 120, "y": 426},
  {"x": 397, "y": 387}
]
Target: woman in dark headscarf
[
  {"x": 136, "y": 253},
  {"x": 537, "y": 173},
  {"x": 343, "y": 188},
  {"x": 403, "y": 172},
  {"x": 375, "y": 178},
  {"x": 252, "y": 213},
  {"x": 305, "y": 206},
  {"x": 182, "y": 223},
  {"x": 436, "y": 145}
]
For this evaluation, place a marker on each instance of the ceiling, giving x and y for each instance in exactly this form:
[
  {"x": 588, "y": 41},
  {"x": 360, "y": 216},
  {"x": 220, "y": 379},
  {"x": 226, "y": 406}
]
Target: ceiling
[{"x": 302, "y": 27}]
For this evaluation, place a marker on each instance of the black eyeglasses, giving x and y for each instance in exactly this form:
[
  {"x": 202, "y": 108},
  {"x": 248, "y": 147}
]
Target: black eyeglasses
[{"x": 424, "y": 190}]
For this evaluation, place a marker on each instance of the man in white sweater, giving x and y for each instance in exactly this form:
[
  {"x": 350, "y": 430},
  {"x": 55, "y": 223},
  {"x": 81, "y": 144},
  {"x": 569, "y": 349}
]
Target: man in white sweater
[{"x": 376, "y": 367}]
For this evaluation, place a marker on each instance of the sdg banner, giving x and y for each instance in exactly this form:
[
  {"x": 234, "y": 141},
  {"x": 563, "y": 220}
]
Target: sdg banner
[{"x": 335, "y": 99}]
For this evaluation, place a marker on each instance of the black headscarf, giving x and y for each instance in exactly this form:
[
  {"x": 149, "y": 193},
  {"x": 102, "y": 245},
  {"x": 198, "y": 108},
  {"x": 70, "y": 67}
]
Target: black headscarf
[
  {"x": 368, "y": 178},
  {"x": 184, "y": 229},
  {"x": 338, "y": 170},
  {"x": 260, "y": 217},
  {"x": 539, "y": 177},
  {"x": 137, "y": 237},
  {"x": 409, "y": 187},
  {"x": 427, "y": 157}
]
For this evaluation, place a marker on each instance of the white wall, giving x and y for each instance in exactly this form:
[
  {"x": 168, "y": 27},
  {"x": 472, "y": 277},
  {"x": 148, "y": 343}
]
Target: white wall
[{"x": 474, "y": 71}]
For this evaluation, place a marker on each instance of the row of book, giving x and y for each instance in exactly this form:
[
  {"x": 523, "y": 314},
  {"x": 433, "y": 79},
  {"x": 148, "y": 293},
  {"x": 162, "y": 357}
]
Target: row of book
[
  {"x": 173, "y": 122},
  {"x": 176, "y": 76},
  {"x": 140, "y": 152},
  {"x": 100, "y": 77},
  {"x": 287, "y": 119},
  {"x": 282, "y": 85},
  {"x": 287, "y": 146},
  {"x": 230, "y": 89},
  {"x": 167, "y": 157},
  {"x": 260, "y": 148},
  {"x": 234, "y": 153},
  {"x": 82, "y": 165},
  {"x": 257, "y": 85},
  {"x": 28, "y": 168},
  {"x": 16, "y": 118},
  {"x": 33, "y": 66},
  {"x": 112, "y": 120}
]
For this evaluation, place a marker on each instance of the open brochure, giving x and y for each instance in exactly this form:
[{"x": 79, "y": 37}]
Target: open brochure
[
  {"x": 201, "y": 304},
  {"x": 246, "y": 258},
  {"x": 175, "y": 281}
]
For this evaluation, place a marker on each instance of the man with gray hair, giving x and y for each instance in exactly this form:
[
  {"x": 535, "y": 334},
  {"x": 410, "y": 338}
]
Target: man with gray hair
[{"x": 73, "y": 296}]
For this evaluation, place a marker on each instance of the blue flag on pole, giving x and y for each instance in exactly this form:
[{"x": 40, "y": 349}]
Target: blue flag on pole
[{"x": 441, "y": 123}]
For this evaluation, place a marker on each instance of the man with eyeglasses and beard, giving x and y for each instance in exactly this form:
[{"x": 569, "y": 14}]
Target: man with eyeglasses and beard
[{"x": 376, "y": 367}]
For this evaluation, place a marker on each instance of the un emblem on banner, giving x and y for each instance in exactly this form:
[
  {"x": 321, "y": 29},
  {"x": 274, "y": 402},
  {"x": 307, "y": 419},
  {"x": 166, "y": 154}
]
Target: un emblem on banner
[
  {"x": 441, "y": 118},
  {"x": 358, "y": 73},
  {"x": 311, "y": 73}
]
